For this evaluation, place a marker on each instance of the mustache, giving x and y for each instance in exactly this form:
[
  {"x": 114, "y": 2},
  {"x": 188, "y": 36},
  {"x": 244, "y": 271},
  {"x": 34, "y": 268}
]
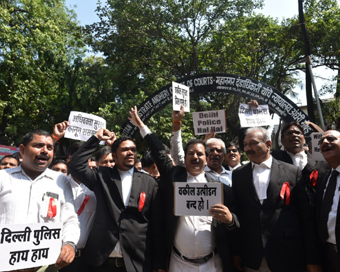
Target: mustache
[
  {"x": 45, "y": 157},
  {"x": 250, "y": 152},
  {"x": 329, "y": 146}
]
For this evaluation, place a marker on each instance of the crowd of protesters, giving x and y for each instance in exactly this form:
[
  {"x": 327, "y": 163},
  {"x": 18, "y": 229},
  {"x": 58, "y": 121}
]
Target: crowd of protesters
[{"x": 279, "y": 211}]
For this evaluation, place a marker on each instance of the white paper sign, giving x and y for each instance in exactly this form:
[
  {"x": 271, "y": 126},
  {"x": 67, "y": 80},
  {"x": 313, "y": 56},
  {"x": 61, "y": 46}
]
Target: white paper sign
[
  {"x": 316, "y": 153},
  {"x": 26, "y": 246},
  {"x": 205, "y": 121},
  {"x": 180, "y": 95},
  {"x": 196, "y": 198},
  {"x": 83, "y": 125},
  {"x": 254, "y": 117}
]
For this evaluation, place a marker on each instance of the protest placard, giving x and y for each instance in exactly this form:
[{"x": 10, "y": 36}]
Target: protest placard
[
  {"x": 254, "y": 117},
  {"x": 29, "y": 245},
  {"x": 205, "y": 121},
  {"x": 180, "y": 96},
  {"x": 83, "y": 126},
  {"x": 316, "y": 153},
  {"x": 196, "y": 198}
]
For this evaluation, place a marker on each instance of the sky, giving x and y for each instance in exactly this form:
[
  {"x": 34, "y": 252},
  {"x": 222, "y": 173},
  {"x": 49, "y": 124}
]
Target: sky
[{"x": 275, "y": 8}]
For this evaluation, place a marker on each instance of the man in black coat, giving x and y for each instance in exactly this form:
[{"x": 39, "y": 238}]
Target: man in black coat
[
  {"x": 293, "y": 140},
  {"x": 126, "y": 234},
  {"x": 198, "y": 249},
  {"x": 270, "y": 207},
  {"x": 328, "y": 194}
]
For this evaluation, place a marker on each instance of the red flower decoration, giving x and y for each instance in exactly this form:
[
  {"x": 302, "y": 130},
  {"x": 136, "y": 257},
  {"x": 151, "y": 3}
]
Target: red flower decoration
[
  {"x": 52, "y": 208},
  {"x": 142, "y": 197},
  {"x": 285, "y": 191},
  {"x": 314, "y": 177}
]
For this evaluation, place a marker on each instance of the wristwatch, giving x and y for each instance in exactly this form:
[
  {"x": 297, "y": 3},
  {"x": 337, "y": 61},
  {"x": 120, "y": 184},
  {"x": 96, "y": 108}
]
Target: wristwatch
[{"x": 71, "y": 244}]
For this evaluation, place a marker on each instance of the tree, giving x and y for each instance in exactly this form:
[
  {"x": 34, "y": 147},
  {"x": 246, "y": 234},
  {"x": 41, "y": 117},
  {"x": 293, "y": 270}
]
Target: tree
[{"x": 38, "y": 39}]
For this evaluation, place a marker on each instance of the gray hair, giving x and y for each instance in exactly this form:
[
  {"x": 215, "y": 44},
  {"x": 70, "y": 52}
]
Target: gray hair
[
  {"x": 265, "y": 133},
  {"x": 216, "y": 141}
]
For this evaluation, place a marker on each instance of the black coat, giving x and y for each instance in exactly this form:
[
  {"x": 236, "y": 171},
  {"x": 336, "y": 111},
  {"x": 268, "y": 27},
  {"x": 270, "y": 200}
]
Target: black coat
[
  {"x": 139, "y": 233},
  {"x": 170, "y": 174},
  {"x": 277, "y": 222}
]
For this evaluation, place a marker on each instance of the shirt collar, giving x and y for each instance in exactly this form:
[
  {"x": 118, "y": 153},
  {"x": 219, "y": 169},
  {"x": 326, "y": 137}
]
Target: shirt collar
[
  {"x": 301, "y": 154},
  {"x": 48, "y": 173},
  {"x": 267, "y": 163},
  {"x": 207, "y": 169},
  {"x": 130, "y": 171}
]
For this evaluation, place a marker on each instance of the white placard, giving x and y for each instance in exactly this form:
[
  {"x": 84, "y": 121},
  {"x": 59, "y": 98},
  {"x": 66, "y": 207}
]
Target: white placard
[
  {"x": 29, "y": 245},
  {"x": 83, "y": 126},
  {"x": 254, "y": 117},
  {"x": 196, "y": 198},
  {"x": 205, "y": 121},
  {"x": 180, "y": 95},
  {"x": 316, "y": 153}
]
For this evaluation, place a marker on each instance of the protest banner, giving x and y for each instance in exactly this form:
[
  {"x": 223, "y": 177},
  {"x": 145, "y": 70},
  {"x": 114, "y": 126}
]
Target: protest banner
[
  {"x": 316, "y": 153},
  {"x": 254, "y": 117},
  {"x": 83, "y": 126},
  {"x": 180, "y": 96},
  {"x": 7, "y": 150},
  {"x": 29, "y": 245},
  {"x": 196, "y": 198},
  {"x": 205, "y": 121}
]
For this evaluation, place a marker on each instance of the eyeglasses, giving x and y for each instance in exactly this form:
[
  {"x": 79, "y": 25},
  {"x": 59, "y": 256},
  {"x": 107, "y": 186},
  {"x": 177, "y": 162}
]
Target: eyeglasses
[
  {"x": 232, "y": 150},
  {"x": 290, "y": 133}
]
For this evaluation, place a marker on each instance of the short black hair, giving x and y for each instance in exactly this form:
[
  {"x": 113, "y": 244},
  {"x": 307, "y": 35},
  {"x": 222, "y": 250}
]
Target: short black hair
[
  {"x": 117, "y": 143},
  {"x": 29, "y": 136},
  {"x": 290, "y": 125},
  {"x": 10, "y": 156},
  {"x": 233, "y": 144},
  {"x": 54, "y": 162},
  {"x": 195, "y": 141},
  {"x": 103, "y": 151},
  {"x": 147, "y": 159},
  {"x": 73, "y": 148}
]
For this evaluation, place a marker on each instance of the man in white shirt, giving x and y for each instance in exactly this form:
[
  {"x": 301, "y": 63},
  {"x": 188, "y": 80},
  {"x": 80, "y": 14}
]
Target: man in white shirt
[
  {"x": 191, "y": 240},
  {"x": 85, "y": 203},
  {"x": 27, "y": 190},
  {"x": 215, "y": 149},
  {"x": 272, "y": 209},
  {"x": 328, "y": 194}
]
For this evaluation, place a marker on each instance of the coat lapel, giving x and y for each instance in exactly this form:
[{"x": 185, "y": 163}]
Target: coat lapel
[
  {"x": 135, "y": 189},
  {"x": 275, "y": 184},
  {"x": 248, "y": 179}
]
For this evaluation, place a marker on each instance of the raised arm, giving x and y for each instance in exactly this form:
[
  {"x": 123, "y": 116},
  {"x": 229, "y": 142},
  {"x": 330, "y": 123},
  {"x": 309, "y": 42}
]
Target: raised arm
[
  {"x": 162, "y": 160},
  {"x": 176, "y": 145},
  {"x": 78, "y": 165}
]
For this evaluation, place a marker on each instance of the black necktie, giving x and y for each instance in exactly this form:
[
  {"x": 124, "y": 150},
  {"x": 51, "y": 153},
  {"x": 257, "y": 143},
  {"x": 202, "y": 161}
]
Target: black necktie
[{"x": 326, "y": 206}]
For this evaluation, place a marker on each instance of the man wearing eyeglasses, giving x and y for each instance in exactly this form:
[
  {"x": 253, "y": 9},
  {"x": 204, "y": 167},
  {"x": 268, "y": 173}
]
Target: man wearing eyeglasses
[{"x": 232, "y": 157}]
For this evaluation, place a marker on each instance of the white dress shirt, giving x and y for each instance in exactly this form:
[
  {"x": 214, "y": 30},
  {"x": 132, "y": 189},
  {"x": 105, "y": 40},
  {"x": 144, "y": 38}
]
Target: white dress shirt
[
  {"x": 176, "y": 148},
  {"x": 126, "y": 178},
  {"x": 194, "y": 239},
  {"x": 261, "y": 177},
  {"x": 299, "y": 159},
  {"x": 235, "y": 167},
  {"x": 24, "y": 201},
  {"x": 334, "y": 210},
  {"x": 86, "y": 217}
]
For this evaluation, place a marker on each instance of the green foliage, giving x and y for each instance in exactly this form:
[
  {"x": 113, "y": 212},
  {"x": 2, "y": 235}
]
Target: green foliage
[{"x": 35, "y": 41}]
